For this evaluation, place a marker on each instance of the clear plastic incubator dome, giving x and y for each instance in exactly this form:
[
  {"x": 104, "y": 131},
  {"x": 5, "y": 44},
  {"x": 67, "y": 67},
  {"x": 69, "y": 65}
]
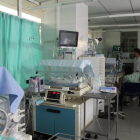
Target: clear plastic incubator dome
[{"x": 66, "y": 73}]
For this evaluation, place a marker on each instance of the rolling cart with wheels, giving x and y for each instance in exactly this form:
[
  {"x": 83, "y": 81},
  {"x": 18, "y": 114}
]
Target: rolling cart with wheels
[{"x": 101, "y": 126}]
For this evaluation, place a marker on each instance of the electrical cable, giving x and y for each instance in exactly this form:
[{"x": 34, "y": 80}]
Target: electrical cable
[{"x": 31, "y": 121}]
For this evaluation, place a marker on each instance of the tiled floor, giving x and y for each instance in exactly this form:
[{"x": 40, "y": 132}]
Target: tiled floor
[{"x": 129, "y": 128}]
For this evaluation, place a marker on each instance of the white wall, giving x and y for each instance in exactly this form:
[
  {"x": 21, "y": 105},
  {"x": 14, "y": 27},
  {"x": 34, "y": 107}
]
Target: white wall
[
  {"x": 82, "y": 28},
  {"x": 89, "y": 34},
  {"x": 49, "y": 32},
  {"x": 70, "y": 17},
  {"x": 67, "y": 17},
  {"x": 110, "y": 39}
]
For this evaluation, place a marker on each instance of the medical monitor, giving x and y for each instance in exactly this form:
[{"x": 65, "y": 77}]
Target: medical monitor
[
  {"x": 68, "y": 38},
  {"x": 116, "y": 48}
]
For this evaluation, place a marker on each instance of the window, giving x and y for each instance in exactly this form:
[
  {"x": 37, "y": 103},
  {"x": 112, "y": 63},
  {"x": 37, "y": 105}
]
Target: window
[
  {"x": 129, "y": 41},
  {"x": 7, "y": 10},
  {"x": 14, "y": 12}
]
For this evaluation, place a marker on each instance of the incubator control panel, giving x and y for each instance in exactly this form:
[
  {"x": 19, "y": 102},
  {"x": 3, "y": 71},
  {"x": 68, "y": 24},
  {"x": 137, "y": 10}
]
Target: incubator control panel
[{"x": 53, "y": 95}]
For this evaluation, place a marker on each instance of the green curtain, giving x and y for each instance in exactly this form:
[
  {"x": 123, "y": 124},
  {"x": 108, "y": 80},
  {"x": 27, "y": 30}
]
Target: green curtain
[{"x": 15, "y": 47}]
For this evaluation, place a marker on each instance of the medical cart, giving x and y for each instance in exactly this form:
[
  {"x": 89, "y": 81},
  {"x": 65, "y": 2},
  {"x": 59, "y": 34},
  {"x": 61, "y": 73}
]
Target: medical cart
[{"x": 101, "y": 126}]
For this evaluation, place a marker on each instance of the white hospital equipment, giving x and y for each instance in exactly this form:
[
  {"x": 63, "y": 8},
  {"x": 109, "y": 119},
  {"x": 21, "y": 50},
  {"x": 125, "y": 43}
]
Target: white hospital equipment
[
  {"x": 98, "y": 64},
  {"x": 108, "y": 89},
  {"x": 12, "y": 125},
  {"x": 110, "y": 71},
  {"x": 69, "y": 76},
  {"x": 66, "y": 81},
  {"x": 92, "y": 43},
  {"x": 12, "y": 113},
  {"x": 36, "y": 84}
]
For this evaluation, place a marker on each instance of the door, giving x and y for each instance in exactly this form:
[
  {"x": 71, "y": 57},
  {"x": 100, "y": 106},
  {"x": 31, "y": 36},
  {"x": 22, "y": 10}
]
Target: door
[
  {"x": 45, "y": 119},
  {"x": 65, "y": 122}
]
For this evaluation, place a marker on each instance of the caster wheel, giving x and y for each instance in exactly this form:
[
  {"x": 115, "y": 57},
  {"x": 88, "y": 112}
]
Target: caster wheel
[
  {"x": 95, "y": 137},
  {"x": 88, "y": 135}
]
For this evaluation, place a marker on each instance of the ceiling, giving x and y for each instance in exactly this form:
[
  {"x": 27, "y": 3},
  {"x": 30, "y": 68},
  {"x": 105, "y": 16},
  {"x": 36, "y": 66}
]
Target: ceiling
[{"x": 112, "y": 7}]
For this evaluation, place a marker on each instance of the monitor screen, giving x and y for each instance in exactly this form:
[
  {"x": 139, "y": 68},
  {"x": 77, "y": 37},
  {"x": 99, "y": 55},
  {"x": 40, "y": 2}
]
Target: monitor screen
[
  {"x": 42, "y": 82},
  {"x": 68, "y": 38},
  {"x": 116, "y": 48}
]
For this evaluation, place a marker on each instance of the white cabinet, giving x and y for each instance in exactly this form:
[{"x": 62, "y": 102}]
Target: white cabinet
[{"x": 98, "y": 67}]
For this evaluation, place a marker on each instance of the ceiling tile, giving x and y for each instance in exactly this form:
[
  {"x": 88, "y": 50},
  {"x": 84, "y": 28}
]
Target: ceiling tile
[
  {"x": 116, "y": 5},
  {"x": 138, "y": 18},
  {"x": 126, "y": 22},
  {"x": 136, "y": 4},
  {"x": 95, "y": 8}
]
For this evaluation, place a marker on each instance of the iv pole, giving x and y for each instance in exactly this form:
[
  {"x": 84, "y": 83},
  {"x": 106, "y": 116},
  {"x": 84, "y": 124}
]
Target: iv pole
[{"x": 31, "y": 38}]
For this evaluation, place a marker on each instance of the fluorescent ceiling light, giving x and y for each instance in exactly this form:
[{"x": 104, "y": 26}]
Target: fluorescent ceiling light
[
  {"x": 60, "y": 4},
  {"x": 97, "y": 31},
  {"x": 45, "y": 6},
  {"x": 78, "y": 1},
  {"x": 125, "y": 15},
  {"x": 33, "y": 1},
  {"x": 121, "y": 25},
  {"x": 115, "y": 16},
  {"x": 93, "y": 26},
  {"x": 119, "y": 30},
  {"x": 128, "y": 25},
  {"x": 94, "y": 17}
]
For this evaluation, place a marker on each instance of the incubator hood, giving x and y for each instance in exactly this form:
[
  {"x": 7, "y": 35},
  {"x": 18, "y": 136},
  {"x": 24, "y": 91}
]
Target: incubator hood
[
  {"x": 69, "y": 73},
  {"x": 69, "y": 66}
]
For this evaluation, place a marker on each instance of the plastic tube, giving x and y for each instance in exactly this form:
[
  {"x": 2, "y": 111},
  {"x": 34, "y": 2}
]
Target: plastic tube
[{"x": 6, "y": 118}]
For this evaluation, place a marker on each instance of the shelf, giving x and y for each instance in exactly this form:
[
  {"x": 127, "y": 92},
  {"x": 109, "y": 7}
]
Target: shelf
[
  {"x": 100, "y": 95},
  {"x": 100, "y": 127}
]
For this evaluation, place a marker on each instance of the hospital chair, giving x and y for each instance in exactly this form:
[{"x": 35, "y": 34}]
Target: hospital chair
[{"x": 130, "y": 89}]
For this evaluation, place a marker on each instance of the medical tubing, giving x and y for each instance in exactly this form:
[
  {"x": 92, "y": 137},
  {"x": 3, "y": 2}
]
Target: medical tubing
[
  {"x": 28, "y": 116},
  {"x": 6, "y": 118},
  {"x": 66, "y": 79}
]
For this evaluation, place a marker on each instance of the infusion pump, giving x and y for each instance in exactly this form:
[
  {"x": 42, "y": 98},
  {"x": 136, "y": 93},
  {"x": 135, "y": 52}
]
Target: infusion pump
[{"x": 55, "y": 96}]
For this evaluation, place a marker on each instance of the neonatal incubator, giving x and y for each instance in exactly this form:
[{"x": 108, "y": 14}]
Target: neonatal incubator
[
  {"x": 65, "y": 78},
  {"x": 66, "y": 81}
]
